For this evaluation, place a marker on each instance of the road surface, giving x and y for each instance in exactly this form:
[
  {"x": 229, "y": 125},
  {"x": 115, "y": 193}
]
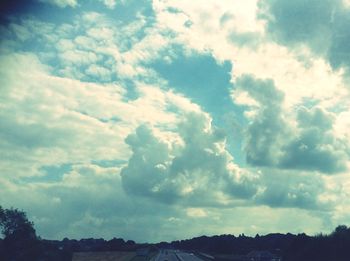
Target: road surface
[
  {"x": 175, "y": 255},
  {"x": 187, "y": 256},
  {"x": 165, "y": 254}
]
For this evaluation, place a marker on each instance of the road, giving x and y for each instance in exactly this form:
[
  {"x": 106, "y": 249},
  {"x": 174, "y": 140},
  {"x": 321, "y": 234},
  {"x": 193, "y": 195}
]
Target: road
[
  {"x": 175, "y": 255},
  {"x": 187, "y": 257},
  {"x": 165, "y": 254}
]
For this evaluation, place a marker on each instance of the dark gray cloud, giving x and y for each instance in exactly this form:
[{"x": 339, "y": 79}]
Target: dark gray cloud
[
  {"x": 300, "y": 21},
  {"x": 338, "y": 53},
  {"x": 145, "y": 174},
  {"x": 321, "y": 25},
  {"x": 271, "y": 140},
  {"x": 264, "y": 135},
  {"x": 315, "y": 147},
  {"x": 280, "y": 188}
]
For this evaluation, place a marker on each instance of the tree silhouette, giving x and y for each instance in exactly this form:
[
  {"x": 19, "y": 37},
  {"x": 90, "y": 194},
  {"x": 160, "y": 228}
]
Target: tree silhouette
[{"x": 19, "y": 238}]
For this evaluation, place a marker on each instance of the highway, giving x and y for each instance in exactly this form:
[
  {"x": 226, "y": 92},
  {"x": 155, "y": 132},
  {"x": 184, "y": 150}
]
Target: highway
[
  {"x": 187, "y": 257},
  {"x": 165, "y": 254},
  {"x": 175, "y": 255}
]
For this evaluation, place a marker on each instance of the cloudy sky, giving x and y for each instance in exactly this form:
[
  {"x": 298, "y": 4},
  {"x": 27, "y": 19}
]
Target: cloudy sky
[{"x": 168, "y": 119}]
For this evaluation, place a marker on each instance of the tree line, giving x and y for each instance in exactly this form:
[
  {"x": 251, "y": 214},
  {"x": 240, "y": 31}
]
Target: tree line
[{"x": 19, "y": 242}]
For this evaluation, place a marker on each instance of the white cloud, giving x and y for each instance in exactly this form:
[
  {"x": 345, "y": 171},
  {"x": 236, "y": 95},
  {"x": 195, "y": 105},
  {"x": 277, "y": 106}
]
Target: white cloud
[
  {"x": 196, "y": 212},
  {"x": 193, "y": 169},
  {"x": 79, "y": 57},
  {"x": 109, "y": 3},
  {"x": 100, "y": 72},
  {"x": 78, "y": 111},
  {"x": 298, "y": 73},
  {"x": 77, "y": 118}
]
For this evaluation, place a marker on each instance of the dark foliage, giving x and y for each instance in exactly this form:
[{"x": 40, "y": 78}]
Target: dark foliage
[
  {"x": 19, "y": 242},
  {"x": 321, "y": 247},
  {"x": 229, "y": 244},
  {"x": 19, "y": 238},
  {"x": 290, "y": 247}
]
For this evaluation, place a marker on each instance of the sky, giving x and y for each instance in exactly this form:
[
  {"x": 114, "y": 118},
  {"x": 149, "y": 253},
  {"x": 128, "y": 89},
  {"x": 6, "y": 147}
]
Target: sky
[{"x": 168, "y": 119}]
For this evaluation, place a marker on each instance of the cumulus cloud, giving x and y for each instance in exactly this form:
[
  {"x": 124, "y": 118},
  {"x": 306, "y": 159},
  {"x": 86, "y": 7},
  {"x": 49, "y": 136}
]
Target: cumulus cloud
[
  {"x": 195, "y": 165},
  {"x": 195, "y": 169},
  {"x": 306, "y": 143},
  {"x": 265, "y": 133},
  {"x": 316, "y": 147},
  {"x": 90, "y": 199}
]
